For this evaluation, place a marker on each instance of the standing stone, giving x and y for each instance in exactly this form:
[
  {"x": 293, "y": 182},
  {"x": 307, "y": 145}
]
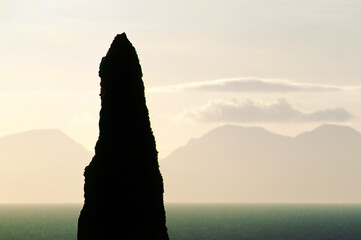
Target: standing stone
[{"x": 123, "y": 186}]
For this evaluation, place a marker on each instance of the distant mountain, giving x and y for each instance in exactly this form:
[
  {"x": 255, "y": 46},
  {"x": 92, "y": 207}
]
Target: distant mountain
[
  {"x": 239, "y": 164},
  {"x": 41, "y": 166}
]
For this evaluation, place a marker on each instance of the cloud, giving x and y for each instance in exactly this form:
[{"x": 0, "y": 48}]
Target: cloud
[
  {"x": 253, "y": 84},
  {"x": 252, "y": 111}
]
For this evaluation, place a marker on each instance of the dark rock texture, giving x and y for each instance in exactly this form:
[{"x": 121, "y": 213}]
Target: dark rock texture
[{"x": 123, "y": 186}]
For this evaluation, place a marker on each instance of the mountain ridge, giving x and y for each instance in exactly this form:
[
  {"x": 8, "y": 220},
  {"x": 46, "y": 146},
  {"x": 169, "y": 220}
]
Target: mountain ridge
[
  {"x": 260, "y": 166},
  {"x": 42, "y": 165},
  {"x": 343, "y": 166},
  {"x": 232, "y": 127},
  {"x": 40, "y": 133}
]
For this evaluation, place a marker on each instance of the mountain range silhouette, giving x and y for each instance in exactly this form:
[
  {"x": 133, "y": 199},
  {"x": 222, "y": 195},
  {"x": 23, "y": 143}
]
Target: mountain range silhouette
[
  {"x": 41, "y": 166},
  {"x": 249, "y": 164},
  {"x": 228, "y": 164}
]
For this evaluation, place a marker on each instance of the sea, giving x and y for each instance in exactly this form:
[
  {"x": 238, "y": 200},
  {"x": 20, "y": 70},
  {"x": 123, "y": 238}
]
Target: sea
[{"x": 200, "y": 221}]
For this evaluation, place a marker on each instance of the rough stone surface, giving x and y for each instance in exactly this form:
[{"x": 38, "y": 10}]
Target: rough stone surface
[{"x": 123, "y": 185}]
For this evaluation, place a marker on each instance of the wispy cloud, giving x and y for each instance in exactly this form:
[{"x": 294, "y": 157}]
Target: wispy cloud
[
  {"x": 253, "y": 84},
  {"x": 252, "y": 111}
]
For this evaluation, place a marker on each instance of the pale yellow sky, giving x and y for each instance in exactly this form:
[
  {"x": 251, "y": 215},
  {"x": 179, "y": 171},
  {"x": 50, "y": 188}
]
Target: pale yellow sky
[{"x": 50, "y": 52}]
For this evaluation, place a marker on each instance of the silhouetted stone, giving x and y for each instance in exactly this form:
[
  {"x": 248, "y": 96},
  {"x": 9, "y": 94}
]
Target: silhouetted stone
[{"x": 123, "y": 186}]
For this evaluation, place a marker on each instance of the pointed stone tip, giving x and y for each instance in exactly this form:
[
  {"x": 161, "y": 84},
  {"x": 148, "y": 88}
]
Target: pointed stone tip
[
  {"x": 123, "y": 56},
  {"x": 120, "y": 41},
  {"x": 122, "y": 35}
]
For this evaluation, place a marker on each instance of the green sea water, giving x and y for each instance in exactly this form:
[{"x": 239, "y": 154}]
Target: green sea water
[{"x": 199, "y": 222}]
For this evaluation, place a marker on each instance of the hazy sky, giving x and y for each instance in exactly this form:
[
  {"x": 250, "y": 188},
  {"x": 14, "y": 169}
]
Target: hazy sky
[{"x": 288, "y": 66}]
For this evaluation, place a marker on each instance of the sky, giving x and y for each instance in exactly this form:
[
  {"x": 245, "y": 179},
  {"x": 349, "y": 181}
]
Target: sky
[{"x": 288, "y": 66}]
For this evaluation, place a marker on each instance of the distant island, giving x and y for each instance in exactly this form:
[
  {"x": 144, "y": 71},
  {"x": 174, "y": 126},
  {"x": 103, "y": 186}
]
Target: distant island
[
  {"x": 41, "y": 166},
  {"x": 228, "y": 164},
  {"x": 250, "y": 164}
]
